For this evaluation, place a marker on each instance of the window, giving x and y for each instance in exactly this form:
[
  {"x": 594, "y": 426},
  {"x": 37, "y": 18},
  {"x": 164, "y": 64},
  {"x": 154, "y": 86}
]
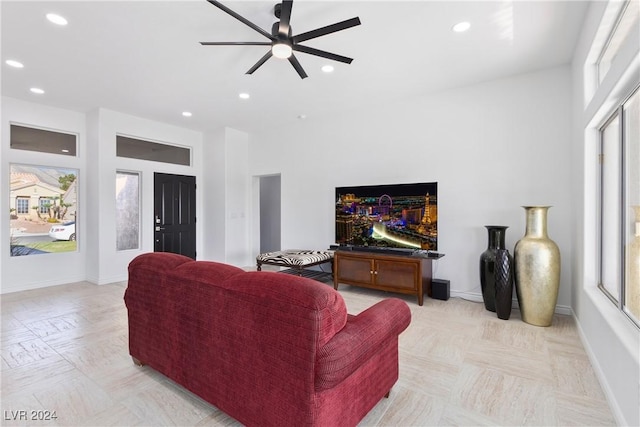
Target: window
[
  {"x": 624, "y": 24},
  {"x": 44, "y": 204},
  {"x": 147, "y": 150},
  {"x": 45, "y": 200},
  {"x": 620, "y": 206},
  {"x": 43, "y": 141},
  {"x": 22, "y": 205},
  {"x": 127, "y": 210}
]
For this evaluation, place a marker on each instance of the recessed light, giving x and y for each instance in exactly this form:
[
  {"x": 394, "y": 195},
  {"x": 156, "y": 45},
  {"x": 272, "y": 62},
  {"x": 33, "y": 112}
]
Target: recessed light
[
  {"x": 461, "y": 27},
  {"x": 37, "y": 90},
  {"x": 187, "y": 113},
  {"x": 13, "y": 63},
  {"x": 65, "y": 150},
  {"x": 302, "y": 116},
  {"x": 56, "y": 19},
  {"x": 244, "y": 95},
  {"x": 327, "y": 68}
]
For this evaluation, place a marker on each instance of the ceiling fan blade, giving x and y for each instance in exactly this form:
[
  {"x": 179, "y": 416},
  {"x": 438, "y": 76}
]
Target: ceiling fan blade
[
  {"x": 285, "y": 17},
  {"x": 241, "y": 19},
  {"x": 235, "y": 43},
  {"x": 321, "y": 53},
  {"x": 294, "y": 61},
  {"x": 260, "y": 62},
  {"x": 339, "y": 26}
]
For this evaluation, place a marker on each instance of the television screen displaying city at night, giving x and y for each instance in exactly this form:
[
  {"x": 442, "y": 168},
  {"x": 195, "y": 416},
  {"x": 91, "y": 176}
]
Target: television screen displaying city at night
[{"x": 394, "y": 216}]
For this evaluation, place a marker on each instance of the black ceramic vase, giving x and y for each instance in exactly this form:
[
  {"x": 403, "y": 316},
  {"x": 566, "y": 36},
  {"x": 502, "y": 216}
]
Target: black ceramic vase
[
  {"x": 487, "y": 265},
  {"x": 504, "y": 283}
]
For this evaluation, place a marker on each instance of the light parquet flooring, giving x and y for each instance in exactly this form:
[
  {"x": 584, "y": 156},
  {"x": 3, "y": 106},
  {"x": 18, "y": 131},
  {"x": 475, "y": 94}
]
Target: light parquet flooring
[{"x": 65, "y": 349}]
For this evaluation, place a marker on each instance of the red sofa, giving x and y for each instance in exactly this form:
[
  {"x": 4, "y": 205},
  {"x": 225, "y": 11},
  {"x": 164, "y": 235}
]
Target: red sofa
[{"x": 266, "y": 348}]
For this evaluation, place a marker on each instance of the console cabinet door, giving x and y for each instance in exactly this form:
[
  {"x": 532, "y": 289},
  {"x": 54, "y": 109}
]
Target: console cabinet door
[
  {"x": 397, "y": 274},
  {"x": 355, "y": 270}
]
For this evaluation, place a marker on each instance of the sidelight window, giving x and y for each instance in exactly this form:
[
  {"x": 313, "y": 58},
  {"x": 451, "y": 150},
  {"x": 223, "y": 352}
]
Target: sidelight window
[{"x": 127, "y": 210}]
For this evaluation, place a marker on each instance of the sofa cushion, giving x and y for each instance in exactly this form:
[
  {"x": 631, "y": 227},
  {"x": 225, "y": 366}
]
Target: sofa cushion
[
  {"x": 361, "y": 338},
  {"x": 205, "y": 271},
  {"x": 294, "y": 294},
  {"x": 157, "y": 262}
]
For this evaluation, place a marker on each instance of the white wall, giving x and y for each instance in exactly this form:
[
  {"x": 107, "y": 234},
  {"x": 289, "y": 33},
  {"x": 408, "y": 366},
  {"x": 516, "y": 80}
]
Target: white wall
[
  {"x": 227, "y": 200},
  {"x": 35, "y": 271},
  {"x": 215, "y": 189},
  {"x": 611, "y": 340},
  {"x": 237, "y": 198},
  {"x": 491, "y": 147},
  {"x": 96, "y": 259},
  {"x": 112, "y": 264}
]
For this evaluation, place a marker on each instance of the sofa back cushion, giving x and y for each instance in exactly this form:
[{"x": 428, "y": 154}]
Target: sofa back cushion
[
  {"x": 309, "y": 303},
  {"x": 255, "y": 334}
]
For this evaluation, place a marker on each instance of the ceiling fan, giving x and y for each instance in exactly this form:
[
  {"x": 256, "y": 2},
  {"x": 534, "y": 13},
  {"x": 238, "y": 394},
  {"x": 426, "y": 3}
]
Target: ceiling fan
[{"x": 282, "y": 42}]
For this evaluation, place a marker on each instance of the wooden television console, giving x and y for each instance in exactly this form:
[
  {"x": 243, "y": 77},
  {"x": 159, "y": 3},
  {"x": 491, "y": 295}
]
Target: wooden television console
[{"x": 401, "y": 272}]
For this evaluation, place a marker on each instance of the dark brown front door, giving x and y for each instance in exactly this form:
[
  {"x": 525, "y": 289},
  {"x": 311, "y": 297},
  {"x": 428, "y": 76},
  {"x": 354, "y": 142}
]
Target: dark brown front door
[{"x": 175, "y": 214}]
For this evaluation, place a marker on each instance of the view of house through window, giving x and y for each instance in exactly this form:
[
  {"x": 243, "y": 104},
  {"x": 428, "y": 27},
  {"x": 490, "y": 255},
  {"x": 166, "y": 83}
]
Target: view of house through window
[
  {"x": 620, "y": 207},
  {"x": 43, "y": 209}
]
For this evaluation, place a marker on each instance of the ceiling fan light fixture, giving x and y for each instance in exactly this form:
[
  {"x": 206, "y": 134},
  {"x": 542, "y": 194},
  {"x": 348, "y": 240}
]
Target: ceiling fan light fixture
[{"x": 281, "y": 50}]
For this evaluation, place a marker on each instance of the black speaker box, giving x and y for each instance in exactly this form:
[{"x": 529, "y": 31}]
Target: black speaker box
[{"x": 440, "y": 289}]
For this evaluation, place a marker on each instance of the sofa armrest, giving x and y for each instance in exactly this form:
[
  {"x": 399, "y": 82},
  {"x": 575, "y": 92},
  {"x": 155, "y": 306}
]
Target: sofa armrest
[{"x": 359, "y": 340}]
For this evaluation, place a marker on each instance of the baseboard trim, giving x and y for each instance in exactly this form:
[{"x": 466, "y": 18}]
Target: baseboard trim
[
  {"x": 39, "y": 284},
  {"x": 602, "y": 378},
  {"x": 476, "y": 297}
]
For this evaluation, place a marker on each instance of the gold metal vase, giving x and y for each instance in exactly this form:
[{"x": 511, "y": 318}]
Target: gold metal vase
[{"x": 537, "y": 269}]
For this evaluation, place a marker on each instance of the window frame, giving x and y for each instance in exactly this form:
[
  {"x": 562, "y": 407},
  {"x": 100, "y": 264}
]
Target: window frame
[
  {"x": 614, "y": 36},
  {"x": 621, "y": 210}
]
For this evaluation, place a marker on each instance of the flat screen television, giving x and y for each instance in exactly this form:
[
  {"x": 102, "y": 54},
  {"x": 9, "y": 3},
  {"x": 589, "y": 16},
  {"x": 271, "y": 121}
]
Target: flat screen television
[{"x": 388, "y": 216}]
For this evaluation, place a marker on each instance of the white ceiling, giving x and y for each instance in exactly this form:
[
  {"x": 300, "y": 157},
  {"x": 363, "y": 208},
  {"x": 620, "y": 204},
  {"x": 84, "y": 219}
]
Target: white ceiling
[{"x": 144, "y": 58}]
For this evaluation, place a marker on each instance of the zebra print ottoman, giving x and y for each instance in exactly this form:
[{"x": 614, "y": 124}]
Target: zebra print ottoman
[{"x": 295, "y": 259}]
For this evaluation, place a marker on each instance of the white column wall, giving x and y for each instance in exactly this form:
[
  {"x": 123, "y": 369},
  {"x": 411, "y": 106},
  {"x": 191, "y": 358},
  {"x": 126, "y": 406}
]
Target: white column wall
[
  {"x": 491, "y": 147},
  {"x": 237, "y": 199},
  {"x": 227, "y": 197},
  {"x": 214, "y": 190},
  {"x": 97, "y": 259},
  {"x": 36, "y": 271},
  {"x": 112, "y": 265}
]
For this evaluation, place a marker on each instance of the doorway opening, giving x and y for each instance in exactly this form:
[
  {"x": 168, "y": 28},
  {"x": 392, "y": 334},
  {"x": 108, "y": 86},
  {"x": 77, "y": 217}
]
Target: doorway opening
[{"x": 270, "y": 214}]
